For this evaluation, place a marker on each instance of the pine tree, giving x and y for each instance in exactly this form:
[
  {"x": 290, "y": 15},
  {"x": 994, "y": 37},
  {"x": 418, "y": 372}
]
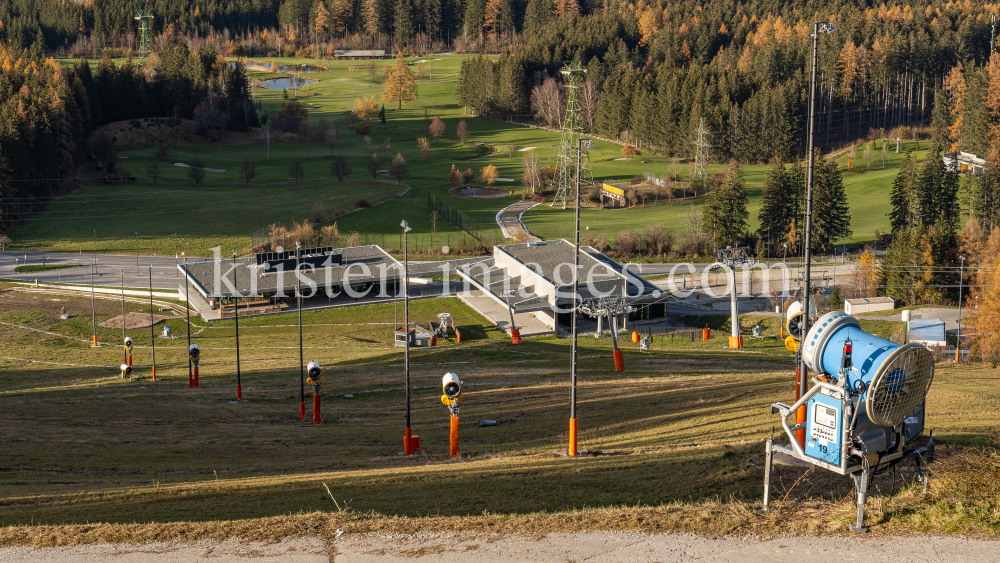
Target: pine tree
[
  {"x": 777, "y": 205},
  {"x": 399, "y": 84},
  {"x": 341, "y": 11},
  {"x": 901, "y": 197},
  {"x": 831, "y": 218},
  {"x": 725, "y": 215},
  {"x": 940, "y": 124},
  {"x": 927, "y": 188},
  {"x": 403, "y": 22}
]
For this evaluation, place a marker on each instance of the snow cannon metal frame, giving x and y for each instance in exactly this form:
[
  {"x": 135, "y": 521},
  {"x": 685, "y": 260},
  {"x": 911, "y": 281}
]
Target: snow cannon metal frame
[{"x": 865, "y": 405}]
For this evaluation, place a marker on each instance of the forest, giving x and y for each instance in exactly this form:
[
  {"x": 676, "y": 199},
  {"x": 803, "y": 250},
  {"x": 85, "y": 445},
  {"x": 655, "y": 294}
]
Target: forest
[{"x": 48, "y": 112}]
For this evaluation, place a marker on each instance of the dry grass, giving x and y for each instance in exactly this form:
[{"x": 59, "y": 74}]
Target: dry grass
[{"x": 679, "y": 437}]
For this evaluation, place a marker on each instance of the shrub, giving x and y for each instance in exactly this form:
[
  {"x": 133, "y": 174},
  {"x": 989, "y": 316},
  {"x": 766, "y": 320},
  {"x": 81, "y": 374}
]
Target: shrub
[
  {"x": 362, "y": 203},
  {"x": 291, "y": 118},
  {"x": 627, "y": 243}
]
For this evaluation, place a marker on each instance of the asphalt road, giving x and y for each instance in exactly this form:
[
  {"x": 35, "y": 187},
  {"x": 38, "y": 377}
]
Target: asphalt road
[
  {"x": 610, "y": 547},
  {"x": 165, "y": 273}
]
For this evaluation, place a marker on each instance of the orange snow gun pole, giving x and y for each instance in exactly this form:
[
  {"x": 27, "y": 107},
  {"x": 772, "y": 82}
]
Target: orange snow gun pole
[
  {"x": 314, "y": 377},
  {"x": 451, "y": 397}
]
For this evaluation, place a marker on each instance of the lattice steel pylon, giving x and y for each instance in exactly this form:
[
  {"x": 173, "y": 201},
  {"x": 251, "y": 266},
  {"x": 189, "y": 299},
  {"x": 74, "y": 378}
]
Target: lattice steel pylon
[
  {"x": 145, "y": 19},
  {"x": 571, "y": 131},
  {"x": 701, "y": 145}
]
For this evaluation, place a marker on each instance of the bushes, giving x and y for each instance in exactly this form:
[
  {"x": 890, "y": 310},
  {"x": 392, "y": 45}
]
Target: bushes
[
  {"x": 362, "y": 203},
  {"x": 291, "y": 118},
  {"x": 656, "y": 241}
]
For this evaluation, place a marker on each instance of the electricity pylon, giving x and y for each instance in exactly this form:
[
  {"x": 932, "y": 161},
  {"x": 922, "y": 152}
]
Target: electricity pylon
[
  {"x": 571, "y": 131},
  {"x": 145, "y": 19},
  {"x": 701, "y": 145}
]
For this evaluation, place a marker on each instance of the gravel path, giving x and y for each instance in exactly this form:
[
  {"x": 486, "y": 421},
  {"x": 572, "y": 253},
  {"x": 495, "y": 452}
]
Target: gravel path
[
  {"x": 133, "y": 320},
  {"x": 610, "y": 547}
]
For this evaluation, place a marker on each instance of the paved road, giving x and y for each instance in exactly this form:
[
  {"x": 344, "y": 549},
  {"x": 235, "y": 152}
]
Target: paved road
[
  {"x": 165, "y": 274},
  {"x": 610, "y": 547},
  {"x": 509, "y": 219}
]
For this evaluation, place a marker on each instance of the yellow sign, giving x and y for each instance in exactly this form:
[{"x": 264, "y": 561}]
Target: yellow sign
[{"x": 613, "y": 190}]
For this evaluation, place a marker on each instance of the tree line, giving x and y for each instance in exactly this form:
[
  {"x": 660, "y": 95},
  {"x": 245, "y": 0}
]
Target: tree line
[{"x": 48, "y": 113}]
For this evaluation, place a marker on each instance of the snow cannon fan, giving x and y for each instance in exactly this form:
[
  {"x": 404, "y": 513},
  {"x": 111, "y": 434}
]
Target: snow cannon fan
[{"x": 865, "y": 405}]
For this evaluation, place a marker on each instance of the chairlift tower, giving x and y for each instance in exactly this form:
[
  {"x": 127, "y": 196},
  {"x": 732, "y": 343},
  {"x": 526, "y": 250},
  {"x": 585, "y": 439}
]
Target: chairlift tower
[
  {"x": 701, "y": 145},
  {"x": 733, "y": 257},
  {"x": 145, "y": 19},
  {"x": 571, "y": 131}
]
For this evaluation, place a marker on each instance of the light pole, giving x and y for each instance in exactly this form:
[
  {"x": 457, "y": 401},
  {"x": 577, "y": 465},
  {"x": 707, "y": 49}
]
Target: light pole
[
  {"x": 187, "y": 309},
  {"x": 961, "y": 279},
  {"x": 93, "y": 304},
  {"x": 236, "y": 308},
  {"x": 298, "y": 297},
  {"x": 122, "y": 272},
  {"x": 152, "y": 331},
  {"x": 406, "y": 334},
  {"x": 571, "y": 450},
  {"x": 803, "y": 375}
]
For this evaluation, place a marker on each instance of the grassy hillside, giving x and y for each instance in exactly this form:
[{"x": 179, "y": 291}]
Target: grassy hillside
[{"x": 222, "y": 210}]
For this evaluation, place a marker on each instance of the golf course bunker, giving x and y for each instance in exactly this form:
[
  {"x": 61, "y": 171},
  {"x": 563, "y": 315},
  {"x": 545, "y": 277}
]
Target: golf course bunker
[
  {"x": 473, "y": 192},
  {"x": 182, "y": 165},
  {"x": 526, "y": 149}
]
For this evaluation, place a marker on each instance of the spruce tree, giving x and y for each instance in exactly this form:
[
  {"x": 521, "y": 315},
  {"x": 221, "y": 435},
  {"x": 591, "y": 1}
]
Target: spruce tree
[
  {"x": 927, "y": 190},
  {"x": 725, "y": 215},
  {"x": 403, "y": 22},
  {"x": 777, "y": 205},
  {"x": 901, "y": 197},
  {"x": 831, "y": 218}
]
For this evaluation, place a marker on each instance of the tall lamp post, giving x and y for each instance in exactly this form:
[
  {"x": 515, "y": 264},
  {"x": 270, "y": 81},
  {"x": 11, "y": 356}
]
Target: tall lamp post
[
  {"x": 236, "y": 309},
  {"x": 93, "y": 303},
  {"x": 961, "y": 279},
  {"x": 803, "y": 375},
  {"x": 407, "y": 450},
  {"x": 298, "y": 297},
  {"x": 571, "y": 450}
]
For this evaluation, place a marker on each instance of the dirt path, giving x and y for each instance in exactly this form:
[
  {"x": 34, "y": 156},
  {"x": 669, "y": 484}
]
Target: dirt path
[{"x": 612, "y": 547}]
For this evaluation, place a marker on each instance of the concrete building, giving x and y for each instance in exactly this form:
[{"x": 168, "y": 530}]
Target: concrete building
[
  {"x": 864, "y": 305},
  {"x": 266, "y": 282},
  {"x": 536, "y": 277},
  {"x": 964, "y": 162}
]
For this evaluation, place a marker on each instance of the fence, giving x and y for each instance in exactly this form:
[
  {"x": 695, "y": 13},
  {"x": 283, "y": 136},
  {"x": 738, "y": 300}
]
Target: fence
[{"x": 454, "y": 216}]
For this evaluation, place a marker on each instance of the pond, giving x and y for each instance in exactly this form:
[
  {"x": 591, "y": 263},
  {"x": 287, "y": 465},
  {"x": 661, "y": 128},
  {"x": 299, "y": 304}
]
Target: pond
[
  {"x": 269, "y": 67},
  {"x": 477, "y": 192},
  {"x": 290, "y": 83}
]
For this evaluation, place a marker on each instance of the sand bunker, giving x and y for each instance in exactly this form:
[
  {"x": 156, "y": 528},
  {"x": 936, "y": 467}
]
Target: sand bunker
[
  {"x": 526, "y": 149},
  {"x": 182, "y": 165},
  {"x": 503, "y": 179},
  {"x": 133, "y": 320}
]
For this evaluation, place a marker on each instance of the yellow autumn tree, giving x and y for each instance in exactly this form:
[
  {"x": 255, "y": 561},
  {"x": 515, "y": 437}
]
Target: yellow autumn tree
[
  {"x": 488, "y": 175},
  {"x": 954, "y": 87},
  {"x": 400, "y": 85},
  {"x": 491, "y": 20},
  {"x": 648, "y": 26},
  {"x": 993, "y": 103},
  {"x": 984, "y": 304},
  {"x": 866, "y": 275},
  {"x": 341, "y": 12},
  {"x": 364, "y": 107},
  {"x": 323, "y": 19}
]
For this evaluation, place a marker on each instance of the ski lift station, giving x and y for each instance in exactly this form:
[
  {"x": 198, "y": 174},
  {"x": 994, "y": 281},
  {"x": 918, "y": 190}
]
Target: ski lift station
[
  {"x": 536, "y": 277},
  {"x": 267, "y": 280}
]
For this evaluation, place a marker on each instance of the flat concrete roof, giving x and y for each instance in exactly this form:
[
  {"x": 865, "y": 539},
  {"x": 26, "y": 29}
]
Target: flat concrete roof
[
  {"x": 355, "y": 260},
  {"x": 550, "y": 254}
]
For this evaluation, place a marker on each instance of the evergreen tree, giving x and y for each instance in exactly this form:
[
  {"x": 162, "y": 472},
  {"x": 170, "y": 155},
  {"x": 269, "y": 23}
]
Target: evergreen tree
[
  {"x": 777, "y": 206},
  {"x": 927, "y": 190},
  {"x": 940, "y": 123},
  {"x": 725, "y": 215},
  {"x": 831, "y": 218},
  {"x": 403, "y": 23},
  {"x": 902, "y": 215}
]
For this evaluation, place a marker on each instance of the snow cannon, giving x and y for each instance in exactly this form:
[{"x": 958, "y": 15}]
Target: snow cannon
[{"x": 865, "y": 406}]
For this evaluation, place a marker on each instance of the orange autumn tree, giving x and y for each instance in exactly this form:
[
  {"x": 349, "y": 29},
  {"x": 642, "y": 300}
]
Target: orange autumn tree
[
  {"x": 984, "y": 302},
  {"x": 400, "y": 85}
]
